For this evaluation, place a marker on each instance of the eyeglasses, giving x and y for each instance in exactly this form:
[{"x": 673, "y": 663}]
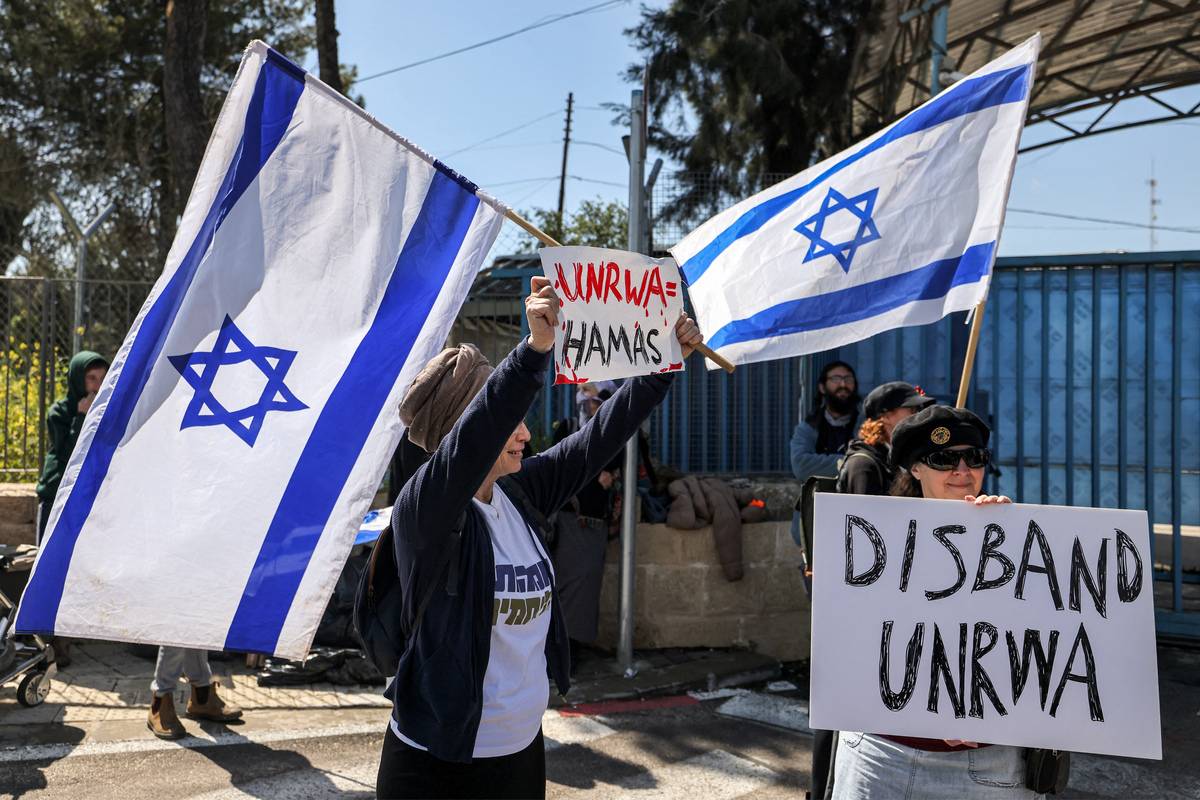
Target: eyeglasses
[
  {"x": 845, "y": 380},
  {"x": 943, "y": 460}
]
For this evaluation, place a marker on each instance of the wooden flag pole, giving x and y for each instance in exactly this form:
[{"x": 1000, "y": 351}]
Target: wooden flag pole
[
  {"x": 972, "y": 346},
  {"x": 549, "y": 241}
]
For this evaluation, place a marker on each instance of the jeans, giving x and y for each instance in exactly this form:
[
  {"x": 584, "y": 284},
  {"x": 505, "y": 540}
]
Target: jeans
[
  {"x": 870, "y": 767},
  {"x": 176, "y": 661}
]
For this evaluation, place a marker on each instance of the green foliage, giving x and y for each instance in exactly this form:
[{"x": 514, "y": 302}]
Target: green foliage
[
  {"x": 81, "y": 111},
  {"x": 596, "y": 223},
  {"x": 21, "y": 374},
  {"x": 741, "y": 88}
]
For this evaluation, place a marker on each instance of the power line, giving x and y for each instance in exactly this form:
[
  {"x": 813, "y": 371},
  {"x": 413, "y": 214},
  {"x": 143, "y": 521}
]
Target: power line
[
  {"x": 522, "y": 126},
  {"x": 596, "y": 180},
  {"x": 621, "y": 153},
  {"x": 533, "y": 191},
  {"x": 1104, "y": 221},
  {"x": 520, "y": 180},
  {"x": 532, "y": 26},
  {"x": 518, "y": 145}
]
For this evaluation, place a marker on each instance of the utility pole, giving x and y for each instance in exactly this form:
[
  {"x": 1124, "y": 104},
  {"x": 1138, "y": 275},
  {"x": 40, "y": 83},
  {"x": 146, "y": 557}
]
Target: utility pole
[
  {"x": 939, "y": 33},
  {"x": 82, "y": 235},
  {"x": 1154, "y": 203},
  {"x": 629, "y": 473},
  {"x": 562, "y": 178}
]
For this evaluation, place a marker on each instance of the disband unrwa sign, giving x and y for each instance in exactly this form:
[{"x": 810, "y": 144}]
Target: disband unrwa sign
[
  {"x": 1005, "y": 624},
  {"x": 619, "y": 311}
]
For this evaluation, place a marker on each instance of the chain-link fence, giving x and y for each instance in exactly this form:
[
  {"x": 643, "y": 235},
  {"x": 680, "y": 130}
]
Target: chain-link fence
[
  {"x": 680, "y": 202},
  {"x": 37, "y": 346}
]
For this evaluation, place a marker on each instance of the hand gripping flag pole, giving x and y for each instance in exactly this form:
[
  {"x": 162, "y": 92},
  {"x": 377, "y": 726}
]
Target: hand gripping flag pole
[{"x": 550, "y": 241}]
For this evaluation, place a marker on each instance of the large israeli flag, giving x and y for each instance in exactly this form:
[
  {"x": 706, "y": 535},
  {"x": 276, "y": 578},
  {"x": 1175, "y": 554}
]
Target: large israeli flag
[
  {"x": 226, "y": 465},
  {"x": 899, "y": 230}
]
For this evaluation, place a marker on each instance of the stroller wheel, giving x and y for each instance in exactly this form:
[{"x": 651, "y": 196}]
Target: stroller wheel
[{"x": 33, "y": 689}]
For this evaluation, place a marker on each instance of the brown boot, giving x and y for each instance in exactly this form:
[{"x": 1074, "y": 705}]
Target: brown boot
[
  {"x": 205, "y": 704},
  {"x": 164, "y": 722}
]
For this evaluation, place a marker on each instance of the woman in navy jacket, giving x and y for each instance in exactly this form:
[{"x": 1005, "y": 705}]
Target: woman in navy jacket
[{"x": 471, "y": 687}]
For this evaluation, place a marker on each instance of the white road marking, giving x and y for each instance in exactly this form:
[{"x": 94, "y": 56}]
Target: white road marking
[
  {"x": 715, "y": 775},
  {"x": 40, "y": 752},
  {"x": 356, "y": 781},
  {"x": 782, "y": 712},
  {"x": 559, "y": 730}
]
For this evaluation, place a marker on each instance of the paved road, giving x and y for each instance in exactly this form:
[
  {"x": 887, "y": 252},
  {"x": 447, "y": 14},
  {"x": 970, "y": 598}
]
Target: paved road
[
  {"x": 680, "y": 751},
  {"x": 677, "y": 748}
]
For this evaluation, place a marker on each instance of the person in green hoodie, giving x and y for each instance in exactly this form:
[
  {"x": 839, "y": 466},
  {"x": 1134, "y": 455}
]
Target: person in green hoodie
[{"x": 64, "y": 420}]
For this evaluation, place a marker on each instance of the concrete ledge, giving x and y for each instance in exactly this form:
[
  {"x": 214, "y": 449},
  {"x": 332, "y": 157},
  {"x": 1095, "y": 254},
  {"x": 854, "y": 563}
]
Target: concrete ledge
[
  {"x": 18, "y": 513},
  {"x": 683, "y": 599},
  {"x": 1163, "y": 545}
]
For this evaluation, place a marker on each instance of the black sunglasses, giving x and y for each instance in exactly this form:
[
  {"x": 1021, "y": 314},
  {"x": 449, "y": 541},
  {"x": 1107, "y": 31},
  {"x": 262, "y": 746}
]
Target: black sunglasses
[{"x": 942, "y": 460}]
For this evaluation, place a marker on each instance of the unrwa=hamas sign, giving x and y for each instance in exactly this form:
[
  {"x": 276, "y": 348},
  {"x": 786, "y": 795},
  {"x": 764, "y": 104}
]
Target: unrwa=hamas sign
[
  {"x": 619, "y": 311},
  {"x": 1005, "y": 624}
]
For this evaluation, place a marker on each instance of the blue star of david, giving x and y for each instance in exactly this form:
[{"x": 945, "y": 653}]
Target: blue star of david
[
  {"x": 199, "y": 369},
  {"x": 860, "y": 206}
]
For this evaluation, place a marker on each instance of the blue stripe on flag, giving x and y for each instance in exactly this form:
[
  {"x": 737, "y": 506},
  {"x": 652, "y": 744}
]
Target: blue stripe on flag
[
  {"x": 349, "y": 415},
  {"x": 860, "y": 302},
  {"x": 268, "y": 116},
  {"x": 967, "y": 97}
]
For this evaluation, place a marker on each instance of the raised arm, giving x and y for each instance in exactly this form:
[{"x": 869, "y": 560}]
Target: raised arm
[
  {"x": 557, "y": 475},
  {"x": 438, "y": 494}
]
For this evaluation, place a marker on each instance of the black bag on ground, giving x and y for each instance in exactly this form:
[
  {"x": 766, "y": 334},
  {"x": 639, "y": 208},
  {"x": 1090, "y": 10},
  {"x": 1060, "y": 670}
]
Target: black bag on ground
[{"x": 379, "y": 601}]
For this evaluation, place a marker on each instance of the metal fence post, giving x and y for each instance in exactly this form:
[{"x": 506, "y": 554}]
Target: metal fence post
[
  {"x": 637, "y": 163},
  {"x": 82, "y": 235}
]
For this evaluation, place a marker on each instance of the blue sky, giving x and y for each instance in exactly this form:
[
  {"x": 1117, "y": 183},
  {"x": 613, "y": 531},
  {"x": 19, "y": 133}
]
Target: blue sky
[{"x": 454, "y": 103}]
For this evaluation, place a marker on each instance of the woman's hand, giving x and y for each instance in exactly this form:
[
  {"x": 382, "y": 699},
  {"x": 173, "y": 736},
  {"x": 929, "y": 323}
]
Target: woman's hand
[
  {"x": 987, "y": 499},
  {"x": 688, "y": 334},
  {"x": 541, "y": 309}
]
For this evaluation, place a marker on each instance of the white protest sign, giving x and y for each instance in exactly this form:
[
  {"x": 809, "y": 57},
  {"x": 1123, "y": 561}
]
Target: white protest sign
[
  {"x": 618, "y": 314},
  {"x": 1007, "y": 624}
]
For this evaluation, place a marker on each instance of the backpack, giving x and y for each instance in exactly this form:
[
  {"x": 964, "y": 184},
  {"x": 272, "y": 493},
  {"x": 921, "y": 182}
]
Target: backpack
[
  {"x": 379, "y": 601},
  {"x": 804, "y": 507},
  {"x": 841, "y": 478}
]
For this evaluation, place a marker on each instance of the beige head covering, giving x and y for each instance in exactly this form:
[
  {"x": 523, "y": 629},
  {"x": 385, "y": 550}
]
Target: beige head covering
[{"x": 440, "y": 393}]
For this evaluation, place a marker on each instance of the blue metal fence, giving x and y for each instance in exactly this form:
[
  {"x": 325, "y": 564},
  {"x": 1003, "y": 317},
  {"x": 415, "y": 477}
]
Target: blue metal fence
[{"x": 1088, "y": 370}]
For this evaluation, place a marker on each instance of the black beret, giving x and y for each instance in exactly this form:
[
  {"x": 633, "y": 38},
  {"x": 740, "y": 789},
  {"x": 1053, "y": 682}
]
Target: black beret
[
  {"x": 936, "y": 428},
  {"x": 892, "y": 395}
]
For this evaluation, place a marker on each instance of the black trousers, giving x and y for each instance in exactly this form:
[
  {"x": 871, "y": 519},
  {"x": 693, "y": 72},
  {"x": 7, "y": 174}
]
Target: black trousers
[{"x": 406, "y": 772}]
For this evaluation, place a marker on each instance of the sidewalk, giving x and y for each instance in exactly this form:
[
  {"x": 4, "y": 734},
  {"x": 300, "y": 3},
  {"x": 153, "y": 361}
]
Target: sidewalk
[{"x": 104, "y": 694}]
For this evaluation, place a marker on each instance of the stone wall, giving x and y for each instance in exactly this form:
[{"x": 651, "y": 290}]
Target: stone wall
[
  {"x": 18, "y": 513},
  {"x": 684, "y": 600}
]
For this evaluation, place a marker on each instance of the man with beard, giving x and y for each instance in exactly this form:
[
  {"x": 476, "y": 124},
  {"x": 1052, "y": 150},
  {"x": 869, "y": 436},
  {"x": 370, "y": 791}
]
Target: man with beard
[{"x": 821, "y": 438}]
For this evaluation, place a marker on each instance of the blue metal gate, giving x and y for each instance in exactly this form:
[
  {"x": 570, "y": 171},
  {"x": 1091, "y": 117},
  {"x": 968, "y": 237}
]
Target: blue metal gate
[{"x": 1088, "y": 370}]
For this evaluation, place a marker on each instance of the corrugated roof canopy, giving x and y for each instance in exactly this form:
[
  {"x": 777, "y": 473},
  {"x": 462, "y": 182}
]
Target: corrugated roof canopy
[{"x": 1095, "y": 55}]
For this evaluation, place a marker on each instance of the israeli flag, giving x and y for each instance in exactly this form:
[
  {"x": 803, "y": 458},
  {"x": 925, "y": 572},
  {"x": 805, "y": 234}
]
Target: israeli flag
[
  {"x": 228, "y": 461},
  {"x": 899, "y": 230}
]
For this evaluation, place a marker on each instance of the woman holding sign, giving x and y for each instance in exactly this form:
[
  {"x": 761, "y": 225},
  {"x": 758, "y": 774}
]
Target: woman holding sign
[
  {"x": 485, "y": 626},
  {"x": 940, "y": 453}
]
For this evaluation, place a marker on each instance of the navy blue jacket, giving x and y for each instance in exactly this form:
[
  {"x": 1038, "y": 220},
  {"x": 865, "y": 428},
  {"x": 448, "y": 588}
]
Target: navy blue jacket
[{"x": 438, "y": 691}]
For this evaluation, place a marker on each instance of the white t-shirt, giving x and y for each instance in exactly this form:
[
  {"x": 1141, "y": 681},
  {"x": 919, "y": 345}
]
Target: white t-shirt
[{"x": 516, "y": 690}]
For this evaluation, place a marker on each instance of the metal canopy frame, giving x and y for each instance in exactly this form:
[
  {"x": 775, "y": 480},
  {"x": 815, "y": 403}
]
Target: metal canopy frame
[{"x": 1096, "y": 55}]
